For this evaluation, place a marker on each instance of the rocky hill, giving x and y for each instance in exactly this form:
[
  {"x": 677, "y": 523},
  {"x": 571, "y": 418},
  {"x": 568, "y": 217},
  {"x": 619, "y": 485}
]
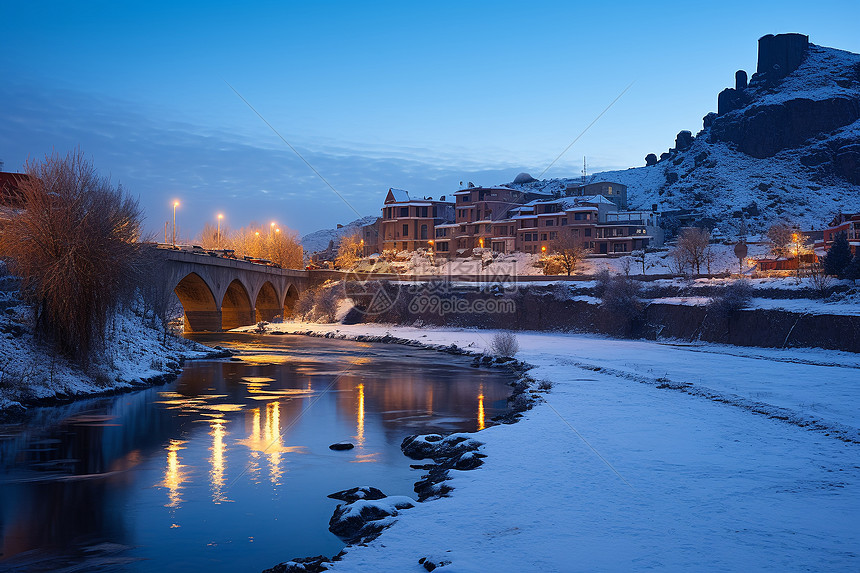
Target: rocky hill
[
  {"x": 320, "y": 240},
  {"x": 783, "y": 146}
]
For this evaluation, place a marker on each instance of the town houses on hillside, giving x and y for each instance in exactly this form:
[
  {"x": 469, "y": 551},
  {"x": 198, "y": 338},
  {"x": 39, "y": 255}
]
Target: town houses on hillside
[{"x": 505, "y": 220}]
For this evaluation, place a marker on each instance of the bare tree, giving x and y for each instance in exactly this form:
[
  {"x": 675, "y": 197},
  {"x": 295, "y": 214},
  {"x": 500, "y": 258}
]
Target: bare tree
[
  {"x": 780, "y": 237},
  {"x": 568, "y": 251},
  {"x": 349, "y": 252},
  {"x": 75, "y": 246},
  {"x": 693, "y": 243}
]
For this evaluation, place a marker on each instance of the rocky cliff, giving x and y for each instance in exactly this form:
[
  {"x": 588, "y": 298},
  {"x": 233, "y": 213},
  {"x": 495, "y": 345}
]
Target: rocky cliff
[{"x": 783, "y": 145}]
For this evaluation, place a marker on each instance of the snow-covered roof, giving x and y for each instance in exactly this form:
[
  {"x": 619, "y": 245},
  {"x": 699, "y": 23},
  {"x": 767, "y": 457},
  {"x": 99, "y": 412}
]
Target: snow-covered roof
[
  {"x": 595, "y": 199},
  {"x": 399, "y": 195}
]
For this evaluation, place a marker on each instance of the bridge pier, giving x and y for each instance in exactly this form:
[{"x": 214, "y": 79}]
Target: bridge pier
[{"x": 203, "y": 320}]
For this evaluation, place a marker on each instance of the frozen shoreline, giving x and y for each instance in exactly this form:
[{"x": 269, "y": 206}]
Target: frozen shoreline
[
  {"x": 137, "y": 356},
  {"x": 645, "y": 475}
]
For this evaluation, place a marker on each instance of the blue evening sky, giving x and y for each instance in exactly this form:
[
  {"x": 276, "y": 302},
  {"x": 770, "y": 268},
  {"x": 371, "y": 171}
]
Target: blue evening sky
[{"x": 373, "y": 94}]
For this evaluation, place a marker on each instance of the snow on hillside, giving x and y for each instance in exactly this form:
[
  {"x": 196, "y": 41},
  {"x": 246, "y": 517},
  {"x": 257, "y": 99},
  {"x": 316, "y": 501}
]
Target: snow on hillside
[
  {"x": 319, "y": 240},
  {"x": 818, "y": 77},
  {"x": 137, "y": 351}
]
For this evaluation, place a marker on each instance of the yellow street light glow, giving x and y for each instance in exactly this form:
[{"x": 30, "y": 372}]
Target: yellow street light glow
[
  {"x": 543, "y": 249},
  {"x": 277, "y": 230}
]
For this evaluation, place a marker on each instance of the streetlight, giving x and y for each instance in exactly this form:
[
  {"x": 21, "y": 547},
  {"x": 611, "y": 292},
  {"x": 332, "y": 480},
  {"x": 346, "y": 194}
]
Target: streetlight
[
  {"x": 220, "y": 216},
  {"x": 175, "y": 205},
  {"x": 796, "y": 239}
]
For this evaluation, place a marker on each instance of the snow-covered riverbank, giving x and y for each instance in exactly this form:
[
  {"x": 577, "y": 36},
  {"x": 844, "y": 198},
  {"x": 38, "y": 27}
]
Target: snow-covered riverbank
[
  {"x": 137, "y": 354},
  {"x": 647, "y": 456}
]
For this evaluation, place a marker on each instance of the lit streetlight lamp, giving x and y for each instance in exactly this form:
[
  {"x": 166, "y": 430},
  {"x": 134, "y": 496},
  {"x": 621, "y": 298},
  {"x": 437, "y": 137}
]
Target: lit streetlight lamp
[
  {"x": 220, "y": 216},
  {"x": 175, "y": 205}
]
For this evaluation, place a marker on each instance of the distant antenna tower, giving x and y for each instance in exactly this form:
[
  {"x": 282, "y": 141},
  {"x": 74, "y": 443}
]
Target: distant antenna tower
[{"x": 584, "y": 170}]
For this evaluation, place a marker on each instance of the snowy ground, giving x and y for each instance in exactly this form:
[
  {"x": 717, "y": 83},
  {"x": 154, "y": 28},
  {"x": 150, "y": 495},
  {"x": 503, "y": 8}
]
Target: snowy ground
[
  {"x": 523, "y": 264},
  {"x": 648, "y": 456},
  {"x": 136, "y": 351}
]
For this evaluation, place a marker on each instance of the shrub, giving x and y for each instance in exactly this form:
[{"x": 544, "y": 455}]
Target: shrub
[
  {"x": 504, "y": 344},
  {"x": 820, "y": 280},
  {"x": 75, "y": 245},
  {"x": 619, "y": 295},
  {"x": 304, "y": 304},
  {"x": 852, "y": 271},
  {"x": 838, "y": 257},
  {"x": 326, "y": 301},
  {"x": 734, "y": 297},
  {"x": 545, "y": 385}
]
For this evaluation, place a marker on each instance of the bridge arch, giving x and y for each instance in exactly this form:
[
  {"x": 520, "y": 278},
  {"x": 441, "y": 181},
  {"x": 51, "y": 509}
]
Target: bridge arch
[
  {"x": 198, "y": 303},
  {"x": 267, "y": 306},
  {"x": 236, "y": 307},
  {"x": 290, "y": 298}
]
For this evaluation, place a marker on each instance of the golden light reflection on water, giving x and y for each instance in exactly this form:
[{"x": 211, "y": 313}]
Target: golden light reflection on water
[
  {"x": 273, "y": 435},
  {"x": 216, "y": 474},
  {"x": 481, "y": 424},
  {"x": 174, "y": 475},
  {"x": 265, "y": 440},
  {"x": 359, "y": 432}
]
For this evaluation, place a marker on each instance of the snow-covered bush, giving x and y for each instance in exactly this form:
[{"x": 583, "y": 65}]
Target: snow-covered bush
[
  {"x": 735, "y": 296},
  {"x": 504, "y": 344},
  {"x": 326, "y": 301},
  {"x": 619, "y": 295},
  {"x": 304, "y": 304}
]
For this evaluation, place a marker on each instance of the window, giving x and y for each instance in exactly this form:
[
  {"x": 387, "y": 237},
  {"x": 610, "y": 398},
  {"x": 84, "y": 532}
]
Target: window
[
  {"x": 442, "y": 246},
  {"x": 405, "y": 230},
  {"x": 424, "y": 232},
  {"x": 563, "y": 221},
  {"x": 550, "y": 222},
  {"x": 620, "y": 248},
  {"x": 586, "y": 233},
  {"x": 578, "y": 216},
  {"x": 423, "y": 211},
  {"x": 553, "y": 235},
  {"x": 487, "y": 228},
  {"x": 404, "y": 211},
  {"x": 543, "y": 236},
  {"x": 442, "y": 232}
]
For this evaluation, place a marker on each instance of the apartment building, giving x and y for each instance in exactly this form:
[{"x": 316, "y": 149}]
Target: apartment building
[
  {"x": 594, "y": 222},
  {"x": 371, "y": 238},
  {"x": 409, "y": 223},
  {"x": 615, "y": 192},
  {"x": 848, "y": 223}
]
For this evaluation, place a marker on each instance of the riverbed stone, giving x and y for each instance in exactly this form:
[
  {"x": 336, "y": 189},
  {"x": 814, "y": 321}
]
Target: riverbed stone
[
  {"x": 301, "y": 565},
  {"x": 356, "y": 493},
  {"x": 341, "y": 446},
  {"x": 363, "y": 520}
]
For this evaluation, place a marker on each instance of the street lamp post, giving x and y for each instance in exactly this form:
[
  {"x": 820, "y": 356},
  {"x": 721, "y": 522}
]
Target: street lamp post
[
  {"x": 796, "y": 240},
  {"x": 220, "y": 216},
  {"x": 175, "y": 205}
]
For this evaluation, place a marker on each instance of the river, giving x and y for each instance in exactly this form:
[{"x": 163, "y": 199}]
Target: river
[{"x": 228, "y": 467}]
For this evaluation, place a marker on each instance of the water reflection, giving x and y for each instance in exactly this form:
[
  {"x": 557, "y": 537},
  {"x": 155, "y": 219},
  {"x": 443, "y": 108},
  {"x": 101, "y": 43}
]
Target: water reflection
[
  {"x": 209, "y": 440},
  {"x": 216, "y": 474},
  {"x": 174, "y": 474},
  {"x": 359, "y": 432},
  {"x": 481, "y": 423}
]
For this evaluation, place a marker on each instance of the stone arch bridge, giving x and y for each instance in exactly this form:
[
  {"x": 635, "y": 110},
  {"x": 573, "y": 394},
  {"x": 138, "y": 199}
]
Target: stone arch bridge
[{"x": 219, "y": 293}]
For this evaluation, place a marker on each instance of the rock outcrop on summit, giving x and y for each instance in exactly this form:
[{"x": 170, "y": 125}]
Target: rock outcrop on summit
[{"x": 784, "y": 144}]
